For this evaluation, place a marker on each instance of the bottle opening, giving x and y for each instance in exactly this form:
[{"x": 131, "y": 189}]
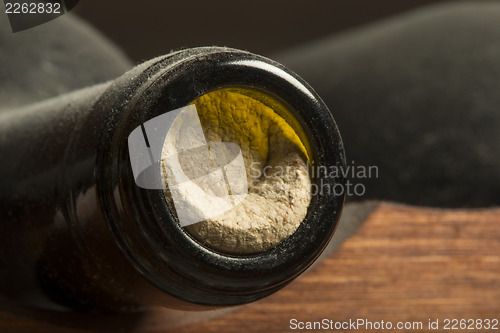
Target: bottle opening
[{"x": 234, "y": 167}]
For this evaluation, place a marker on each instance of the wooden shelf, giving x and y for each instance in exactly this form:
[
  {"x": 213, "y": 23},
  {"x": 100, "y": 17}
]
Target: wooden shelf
[{"x": 403, "y": 264}]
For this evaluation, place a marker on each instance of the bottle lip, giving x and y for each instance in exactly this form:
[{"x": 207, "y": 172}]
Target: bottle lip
[{"x": 141, "y": 221}]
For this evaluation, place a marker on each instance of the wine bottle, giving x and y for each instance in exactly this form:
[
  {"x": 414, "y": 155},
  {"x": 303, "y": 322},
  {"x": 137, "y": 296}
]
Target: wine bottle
[{"x": 77, "y": 231}]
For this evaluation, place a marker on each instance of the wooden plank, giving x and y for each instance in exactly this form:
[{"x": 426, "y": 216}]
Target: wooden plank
[{"x": 404, "y": 264}]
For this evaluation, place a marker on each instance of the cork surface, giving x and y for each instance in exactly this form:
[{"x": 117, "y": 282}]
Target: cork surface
[{"x": 276, "y": 171}]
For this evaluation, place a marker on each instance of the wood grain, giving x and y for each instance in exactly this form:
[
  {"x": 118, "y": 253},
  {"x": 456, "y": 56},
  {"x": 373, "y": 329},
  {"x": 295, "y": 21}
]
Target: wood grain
[{"x": 403, "y": 264}]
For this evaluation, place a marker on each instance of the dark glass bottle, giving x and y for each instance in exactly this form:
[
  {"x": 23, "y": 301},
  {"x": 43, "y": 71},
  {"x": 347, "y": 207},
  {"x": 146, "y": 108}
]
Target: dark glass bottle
[{"x": 77, "y": 232}]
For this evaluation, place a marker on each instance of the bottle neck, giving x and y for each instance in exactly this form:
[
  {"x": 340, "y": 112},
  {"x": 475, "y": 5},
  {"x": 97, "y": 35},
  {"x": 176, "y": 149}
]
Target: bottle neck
[{"x": 34, "y": 142}]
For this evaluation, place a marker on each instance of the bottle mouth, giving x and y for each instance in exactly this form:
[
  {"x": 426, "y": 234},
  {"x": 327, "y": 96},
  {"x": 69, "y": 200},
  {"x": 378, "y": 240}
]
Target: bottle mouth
[{"x": 213, "y": 257}]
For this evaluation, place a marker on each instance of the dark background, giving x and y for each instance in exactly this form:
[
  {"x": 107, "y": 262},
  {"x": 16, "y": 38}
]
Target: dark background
[{"x": 145, "y": 29}]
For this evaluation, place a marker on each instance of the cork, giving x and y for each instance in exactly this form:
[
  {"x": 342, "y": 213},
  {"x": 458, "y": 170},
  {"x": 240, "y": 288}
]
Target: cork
[{"x": 277, "y": 193}]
